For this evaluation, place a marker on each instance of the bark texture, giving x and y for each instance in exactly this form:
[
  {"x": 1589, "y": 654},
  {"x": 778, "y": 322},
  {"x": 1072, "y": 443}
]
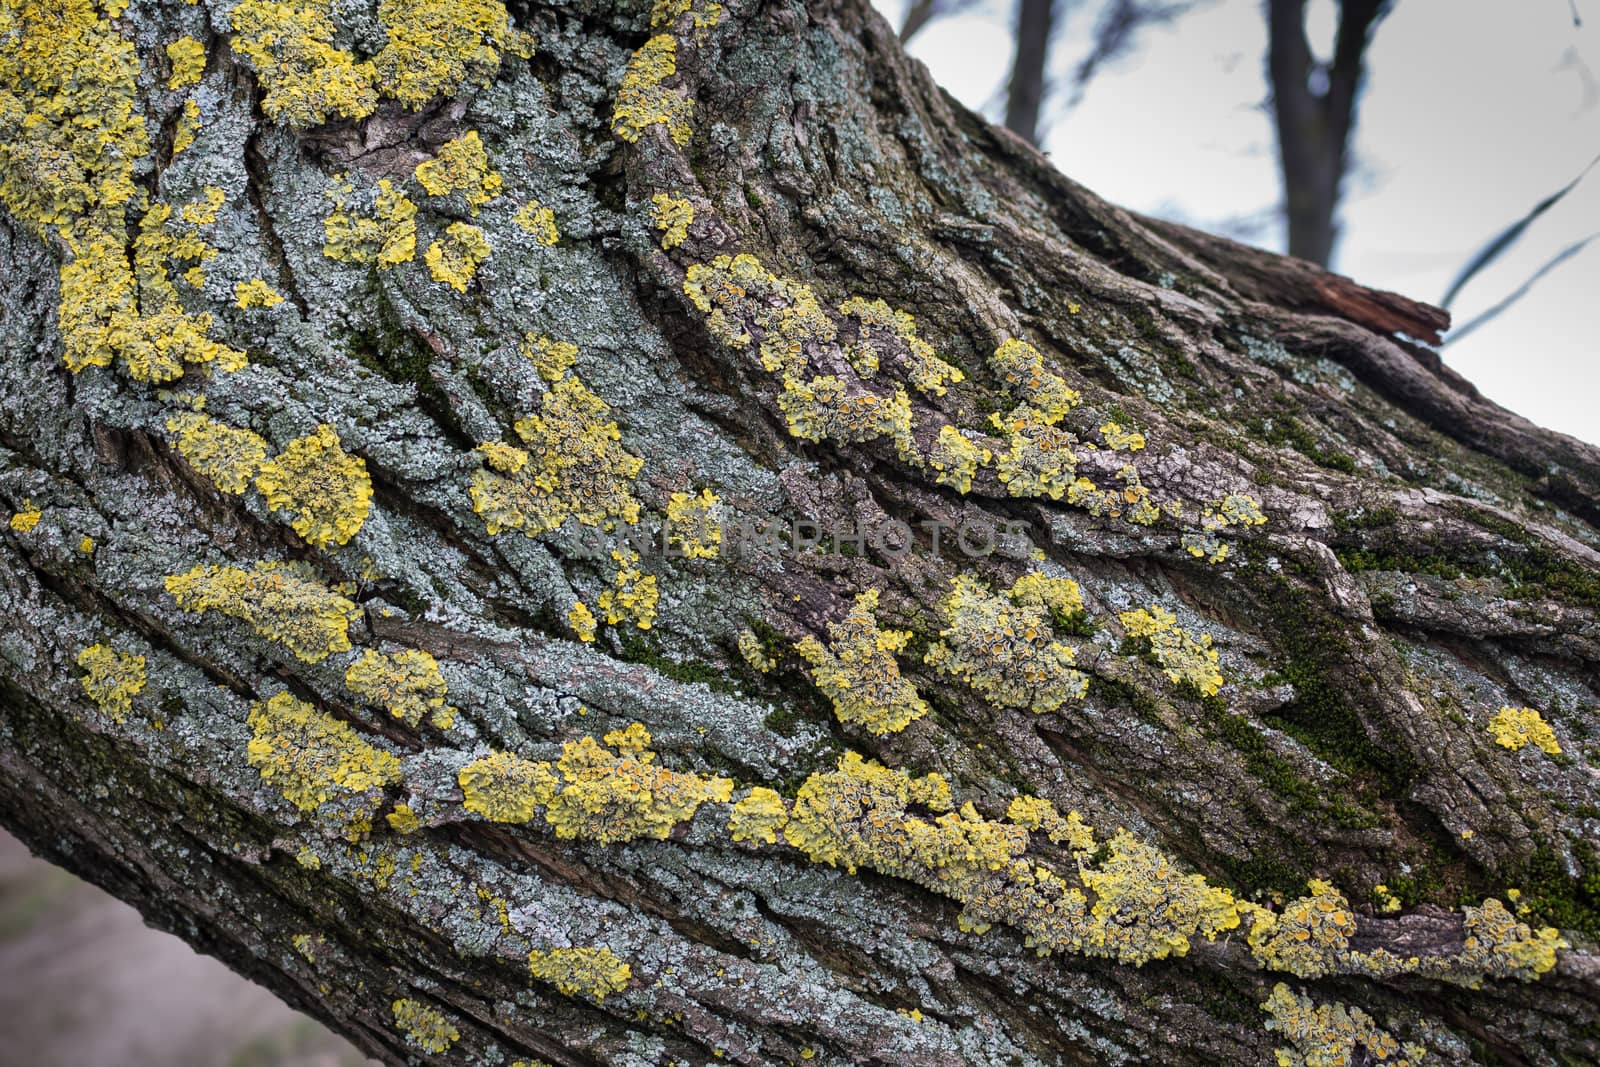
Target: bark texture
[{"x": 494, "y": 886}]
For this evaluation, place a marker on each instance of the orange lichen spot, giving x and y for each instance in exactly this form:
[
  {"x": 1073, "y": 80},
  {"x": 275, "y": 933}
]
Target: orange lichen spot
[
  {"x": 591, "y": 972},
  {"x": 540, "y": 221},
  {"x": 113, "y": 679},
  {"x": 758, "y": 816},
  {"x": 1308, "y": 937},
  {"x": 858, "y": 672},
  {"x": 228, "y": 456},
  {"x": 407, "y": 684},
  {"x": 313, "y": 758},
  {"x": 424, "y": 1027},
  {"x": 1515, "y": 728},
  {"x": 643, "y": 101},
  {"x": 282, "y": 602},
  {"x": 461, "y": 166},
  {"x": 324, "y": 488}
]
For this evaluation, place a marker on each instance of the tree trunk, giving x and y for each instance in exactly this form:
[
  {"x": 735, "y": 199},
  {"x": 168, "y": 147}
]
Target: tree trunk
[
  {"x": 1025, "y": 90},
  {"x": 233, "y": 630}
]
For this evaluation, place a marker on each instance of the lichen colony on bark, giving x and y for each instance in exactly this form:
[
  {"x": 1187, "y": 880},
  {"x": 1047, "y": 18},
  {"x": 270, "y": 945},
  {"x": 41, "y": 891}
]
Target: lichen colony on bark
[{"x": 1164, "y": 659}]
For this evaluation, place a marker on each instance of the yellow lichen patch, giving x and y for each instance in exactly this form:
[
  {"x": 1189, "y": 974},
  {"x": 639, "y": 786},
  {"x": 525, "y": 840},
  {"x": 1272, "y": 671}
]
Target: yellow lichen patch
[
  {"x": 582, "y": 621},
  {"x": 188, "y": 59},
  {"x": 539, "y": 221},
  {"x": 692, "y": 524},
  {"x": 256, "y": 293},
  {"x": 633, "y": 594},
  {"x": 858, "y": 672},
  {"x": 1020, "y": 368},
  {"x": 456, "y": 259},
  {"x": 425, "y": 1028},
  {"x": 956, "y": 459},
  {"x": 1132, "y": 502},
  {"x": 750, "y": 648},
  {"x": 26, "y": 518},
  {"x": 577, "y": 469},
  {"x": 188, "y": 127},
  {"x": 737, "y": 292},
  {"x": 1144, "y": 908},
  {"x": 86, "y": 546},
  {"x": 282, "y": 602},
  {"x": 1039, "y": 459},
  {"x": 883, "y": 331},
  {"x": 1308, "y": 937},
  {"x": 623, "y": 795},
  {"x": 824, "y": 408},
  {"x": 1004, "y": 646},
  {"x": 758, "y": 816},
  {"x": 642, "y": 101},
  {"x": 228, "y": 456},
  {"x": 703, "y": 15},
  {"x": 407, "y": 684},
  {"x": 113, "y": 679},
  {"x": 289, "y": 45},
  {"x": 438, "y": 47},
  {"x": 324, "y": 488},
  {"x": 673, "y": 216},
  {"x": 461, "y": 166},
  {"x": 1184, "y": 658},
  {"x": 402, "y": 820},
  {"x": 1331, "y": 1035},
  {"x": 1119, "y": 440},
  {"x": 552, "y": 359},
  {"x": 1038, "y": 814},
  {"x": 1235, "y": 509},
  {"x": 506, "y": 788},
  {"x": 1515, "y": 728},
  {"x": 386, "y": 235},
  {"x": 592, "y": 972},
  {"x": 313, "y": 758},
  {"x": 1497, "y": 945}
]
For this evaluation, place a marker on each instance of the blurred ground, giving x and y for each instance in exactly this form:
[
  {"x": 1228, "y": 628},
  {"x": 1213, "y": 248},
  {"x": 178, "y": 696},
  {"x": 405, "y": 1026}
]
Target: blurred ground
[{"x": 84, "y": 981}]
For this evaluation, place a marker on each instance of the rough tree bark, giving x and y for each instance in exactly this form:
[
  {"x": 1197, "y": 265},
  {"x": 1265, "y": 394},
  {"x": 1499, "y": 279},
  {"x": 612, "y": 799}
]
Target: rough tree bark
[{"x": 261, "y": 759}]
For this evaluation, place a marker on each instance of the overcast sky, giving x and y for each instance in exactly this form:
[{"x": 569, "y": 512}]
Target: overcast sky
[{"x": 1474, "y": 111}]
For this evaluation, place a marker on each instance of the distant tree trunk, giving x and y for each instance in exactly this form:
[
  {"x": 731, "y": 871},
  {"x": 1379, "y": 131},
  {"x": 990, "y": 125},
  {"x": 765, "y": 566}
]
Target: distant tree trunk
[
  {"x": 1314, "y": 105},
  {"x": 237, "y": 600},
  {"x": 1025, "y": 91}
]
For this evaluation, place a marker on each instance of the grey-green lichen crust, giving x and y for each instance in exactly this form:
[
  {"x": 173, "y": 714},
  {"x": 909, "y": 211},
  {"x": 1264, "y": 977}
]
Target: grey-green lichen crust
[{"x": 357, "y": 343}]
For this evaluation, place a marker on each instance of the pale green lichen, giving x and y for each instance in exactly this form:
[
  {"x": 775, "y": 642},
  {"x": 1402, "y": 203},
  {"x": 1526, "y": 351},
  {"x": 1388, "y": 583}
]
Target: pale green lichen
[
  {"x": 112, "y": 679},
  {"x": 407, "y": 684},
  {"x": 282, "y": 602},
  {"x": 425, "y": 1027},
  {"x": 325, "y": 489},
  {"x": 857, "y": 671},
  {"x": 455, "y": 259},
  {"x": 228, "y": 456},
  {"x": 1184, "y": 658},
  {"x": 313, "y": 758},
  {"x": 591, "y": 972},
  {"x": 461, "y": 166}
]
